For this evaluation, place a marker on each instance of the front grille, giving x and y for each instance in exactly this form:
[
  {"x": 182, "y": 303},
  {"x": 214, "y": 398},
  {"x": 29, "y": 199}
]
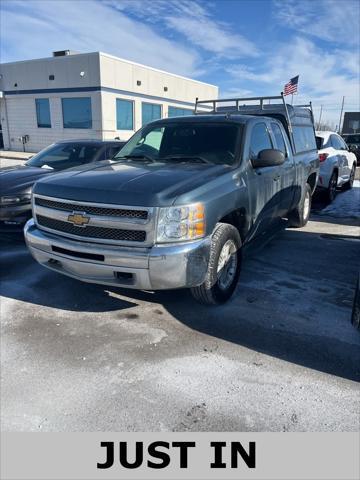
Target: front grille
[
  {"x": 92, "y": 232},
  {"x": 90, "y": 209}
]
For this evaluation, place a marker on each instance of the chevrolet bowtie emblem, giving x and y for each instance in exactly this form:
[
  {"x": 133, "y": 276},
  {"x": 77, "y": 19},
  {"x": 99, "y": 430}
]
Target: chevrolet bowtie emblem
[{"x": 78, "y": 219}]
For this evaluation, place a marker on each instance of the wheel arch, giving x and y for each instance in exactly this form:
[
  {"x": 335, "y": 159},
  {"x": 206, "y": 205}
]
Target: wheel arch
[
  {"x": 312, "y": 181},
  {"x": 239, "y": 219}
]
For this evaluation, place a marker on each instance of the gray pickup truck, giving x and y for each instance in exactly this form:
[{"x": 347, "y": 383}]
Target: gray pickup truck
[{"x": 181, "y": 199}]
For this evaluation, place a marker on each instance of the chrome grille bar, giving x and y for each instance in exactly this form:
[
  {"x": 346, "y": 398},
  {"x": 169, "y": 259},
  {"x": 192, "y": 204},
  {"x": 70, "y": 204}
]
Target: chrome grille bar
[{"x": 127, "y": 228}]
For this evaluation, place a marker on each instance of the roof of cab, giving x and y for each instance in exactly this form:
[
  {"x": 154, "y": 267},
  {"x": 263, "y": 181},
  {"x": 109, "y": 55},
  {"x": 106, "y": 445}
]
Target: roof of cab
[{"x": 214, "y": 118}]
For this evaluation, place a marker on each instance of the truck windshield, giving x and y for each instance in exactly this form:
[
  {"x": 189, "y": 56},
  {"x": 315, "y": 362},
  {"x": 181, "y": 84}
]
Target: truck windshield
[{"x": 184, "y": 142}]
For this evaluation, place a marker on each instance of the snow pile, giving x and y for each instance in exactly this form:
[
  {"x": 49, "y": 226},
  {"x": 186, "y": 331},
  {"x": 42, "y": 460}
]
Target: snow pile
[{"x": 346, "y": 204}]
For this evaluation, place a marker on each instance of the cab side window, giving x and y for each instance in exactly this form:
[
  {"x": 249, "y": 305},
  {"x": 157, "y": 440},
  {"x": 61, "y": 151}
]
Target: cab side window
[
  {"x": 259, "y": 140},
  {"x": 279, "y": 138}
]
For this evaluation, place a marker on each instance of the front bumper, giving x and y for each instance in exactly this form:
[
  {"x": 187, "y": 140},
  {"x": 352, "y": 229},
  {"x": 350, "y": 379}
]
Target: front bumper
[
  {"x": 157, "y": 268},
  {"x": 14, "y": 217}
]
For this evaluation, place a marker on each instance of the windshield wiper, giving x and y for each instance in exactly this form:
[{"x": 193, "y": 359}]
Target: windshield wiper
[
  {"x": 136, "y": 157},
  {"x": 195, "y": 158}
]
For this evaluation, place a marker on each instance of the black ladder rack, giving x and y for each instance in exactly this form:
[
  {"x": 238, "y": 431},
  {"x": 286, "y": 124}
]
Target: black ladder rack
[{"x": 219, "y": 108}]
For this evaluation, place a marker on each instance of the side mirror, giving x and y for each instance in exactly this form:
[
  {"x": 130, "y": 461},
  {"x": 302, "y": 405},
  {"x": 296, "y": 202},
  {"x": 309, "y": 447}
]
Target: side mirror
[{"x": 268, "y": 158}]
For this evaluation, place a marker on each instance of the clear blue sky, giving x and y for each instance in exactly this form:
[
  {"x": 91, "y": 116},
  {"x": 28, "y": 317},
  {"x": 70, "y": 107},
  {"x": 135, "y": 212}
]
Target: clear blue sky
[{"x": 247, "y": 47}]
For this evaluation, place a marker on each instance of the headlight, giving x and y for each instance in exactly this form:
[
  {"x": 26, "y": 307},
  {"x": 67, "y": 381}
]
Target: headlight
[
  {"x": 15, "y": 199},
  {"x": 178, "y": 224}
]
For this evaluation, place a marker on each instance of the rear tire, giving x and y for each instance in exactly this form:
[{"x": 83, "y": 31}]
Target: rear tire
[
  {"x": 223, "y": 269},
  {"x": 299, "y": 217},
  {"x": 331, "y": 190},
  {"x": 348, "y": 185}
]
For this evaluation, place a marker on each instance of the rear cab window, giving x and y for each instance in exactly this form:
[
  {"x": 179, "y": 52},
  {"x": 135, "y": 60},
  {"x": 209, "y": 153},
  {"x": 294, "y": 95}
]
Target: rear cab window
[{"x": 304, "y": 138}]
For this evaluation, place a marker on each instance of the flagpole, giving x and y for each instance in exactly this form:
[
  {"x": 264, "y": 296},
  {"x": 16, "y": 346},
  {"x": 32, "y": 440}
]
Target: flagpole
[
  {"x": 292, "y": 98},
  {"x": 341, "y": 112}
]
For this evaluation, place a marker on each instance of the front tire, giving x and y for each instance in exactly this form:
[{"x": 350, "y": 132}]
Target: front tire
[
  {"x": 299, "y": 217},
  {"x": 224, "y": 267}
]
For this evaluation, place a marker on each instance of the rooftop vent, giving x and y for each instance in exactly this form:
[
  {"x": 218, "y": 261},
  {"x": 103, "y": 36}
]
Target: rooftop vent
[{"x": 63, "y": 53}]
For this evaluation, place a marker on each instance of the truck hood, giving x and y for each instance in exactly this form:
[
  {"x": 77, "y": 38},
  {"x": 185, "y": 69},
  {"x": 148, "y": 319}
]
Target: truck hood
[
  {"x": 19, "y": 178},
  {"x": 134, "y": 183}
]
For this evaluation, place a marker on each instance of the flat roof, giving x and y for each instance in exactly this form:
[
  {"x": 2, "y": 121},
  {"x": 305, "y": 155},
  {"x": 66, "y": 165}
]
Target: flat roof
[{"x": 114, "y": 58}]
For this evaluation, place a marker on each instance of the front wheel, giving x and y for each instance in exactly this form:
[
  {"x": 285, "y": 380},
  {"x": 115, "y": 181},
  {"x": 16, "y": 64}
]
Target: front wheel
[
  {"x": 300, "y": 215},
  {"x": 224, "y": 267}
]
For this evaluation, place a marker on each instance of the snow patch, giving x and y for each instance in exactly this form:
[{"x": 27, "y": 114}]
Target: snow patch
[{"x": 346, "y": 204}]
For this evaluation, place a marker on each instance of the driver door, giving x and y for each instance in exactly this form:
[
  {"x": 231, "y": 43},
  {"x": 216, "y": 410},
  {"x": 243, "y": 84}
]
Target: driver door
[{"x": 264, "y": 183}]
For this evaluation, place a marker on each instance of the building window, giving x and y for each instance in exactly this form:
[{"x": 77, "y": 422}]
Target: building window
[
  {"x": 179, "y": 112},
  {"x": 43, "y": 112},
  {"x": 150, "y": 112},
  {"x": 77, "y": 112},
  {"x": 124, "y": 114}
]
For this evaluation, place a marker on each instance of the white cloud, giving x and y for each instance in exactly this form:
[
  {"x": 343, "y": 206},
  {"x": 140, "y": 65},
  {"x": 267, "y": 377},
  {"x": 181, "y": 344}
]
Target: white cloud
[
  {"x": 186, "y": 37},
  {"x": 324, "y": 76},
  {"x": 31, "y": 29},
  {"x": 236, "y": 93},
  {"x": 213, "y": 37},
  {"x": 193, "y": 21},
  {"x": 336, "y": 21}
]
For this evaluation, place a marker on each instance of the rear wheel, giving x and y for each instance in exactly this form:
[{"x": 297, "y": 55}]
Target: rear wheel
[
  {"x": 223, "y": 269},
  {"x": 349, "y": 184},
  {"x": 331, "y": 190},
  {"x": 300, "y": 215}
]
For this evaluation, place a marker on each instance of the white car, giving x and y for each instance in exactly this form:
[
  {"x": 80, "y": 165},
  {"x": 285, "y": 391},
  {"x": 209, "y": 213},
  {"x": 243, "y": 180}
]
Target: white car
[{"x": 337, "y": 164}]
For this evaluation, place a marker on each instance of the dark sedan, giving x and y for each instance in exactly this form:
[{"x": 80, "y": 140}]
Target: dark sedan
[
  {"x": 353, "y": 142},
  {"x": 16, "y": 182}
]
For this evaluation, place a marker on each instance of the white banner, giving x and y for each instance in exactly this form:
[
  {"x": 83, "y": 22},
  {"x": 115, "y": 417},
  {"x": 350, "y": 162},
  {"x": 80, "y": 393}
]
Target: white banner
[{"x": 188, "y": 456}]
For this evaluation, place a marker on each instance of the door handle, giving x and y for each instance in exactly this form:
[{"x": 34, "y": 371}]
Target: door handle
[{"x": 276, "y": 178}]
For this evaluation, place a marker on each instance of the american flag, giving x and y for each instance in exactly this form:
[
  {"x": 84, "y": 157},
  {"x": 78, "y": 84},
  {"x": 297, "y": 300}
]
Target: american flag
[{"x": 291, "y": 87}]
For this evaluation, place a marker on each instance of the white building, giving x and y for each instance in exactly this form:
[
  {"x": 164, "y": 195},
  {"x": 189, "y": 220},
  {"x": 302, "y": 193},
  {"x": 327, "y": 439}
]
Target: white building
[{"x": 90, "y": 95}]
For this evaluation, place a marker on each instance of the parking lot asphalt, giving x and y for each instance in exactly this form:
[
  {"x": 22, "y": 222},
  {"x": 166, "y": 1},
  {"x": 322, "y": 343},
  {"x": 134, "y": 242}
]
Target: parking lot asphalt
[{"x": 280, "y": 356}]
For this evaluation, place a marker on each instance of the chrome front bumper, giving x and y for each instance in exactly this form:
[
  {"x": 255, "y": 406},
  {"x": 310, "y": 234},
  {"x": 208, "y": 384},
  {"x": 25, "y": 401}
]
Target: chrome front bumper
[{"x": 156, "y": 268}]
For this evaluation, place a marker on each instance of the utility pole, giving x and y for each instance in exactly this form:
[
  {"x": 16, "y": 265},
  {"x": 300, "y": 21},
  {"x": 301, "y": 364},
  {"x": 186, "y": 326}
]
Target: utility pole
[
  {"x": 319, "y": 124},
  {"x": 341, "y": 112}
]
